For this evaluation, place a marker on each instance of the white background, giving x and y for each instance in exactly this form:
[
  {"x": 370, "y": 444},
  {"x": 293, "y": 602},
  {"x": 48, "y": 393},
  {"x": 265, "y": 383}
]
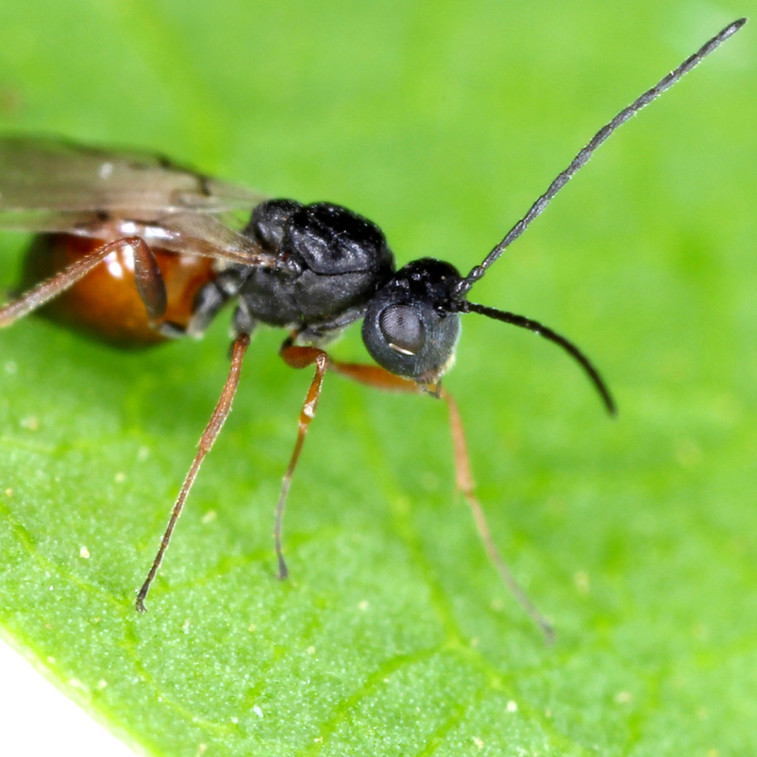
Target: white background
[{"x": 37, "y": 719}]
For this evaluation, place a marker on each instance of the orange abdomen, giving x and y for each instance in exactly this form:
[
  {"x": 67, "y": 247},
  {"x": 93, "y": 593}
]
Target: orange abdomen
[{"x": 105, "y": 303}]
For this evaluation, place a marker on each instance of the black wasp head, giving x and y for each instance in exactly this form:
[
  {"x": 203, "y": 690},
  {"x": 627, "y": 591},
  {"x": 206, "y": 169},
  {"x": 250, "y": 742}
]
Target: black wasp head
[{"x": 410, "y": 327}]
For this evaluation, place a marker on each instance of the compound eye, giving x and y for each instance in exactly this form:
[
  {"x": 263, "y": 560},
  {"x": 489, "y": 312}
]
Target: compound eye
[{"x": 402, "y": 329}]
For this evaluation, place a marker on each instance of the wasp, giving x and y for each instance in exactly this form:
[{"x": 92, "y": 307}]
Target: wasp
[{"x": 137, "y": 249}]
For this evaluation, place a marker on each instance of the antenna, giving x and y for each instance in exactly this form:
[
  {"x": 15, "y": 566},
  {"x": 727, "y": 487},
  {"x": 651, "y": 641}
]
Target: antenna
[
  {"x": 547, "y": 333},
  {"x": 583, "y": 156}
]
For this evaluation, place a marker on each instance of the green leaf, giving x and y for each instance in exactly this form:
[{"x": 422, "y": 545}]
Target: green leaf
[{"x": 443, "y": 122}]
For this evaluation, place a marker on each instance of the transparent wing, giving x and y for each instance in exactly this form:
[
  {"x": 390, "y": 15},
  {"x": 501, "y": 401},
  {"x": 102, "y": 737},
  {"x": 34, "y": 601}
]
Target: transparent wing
[
  {"x": 52, "y": 185},
  {"x": 205, "y": 234}
]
